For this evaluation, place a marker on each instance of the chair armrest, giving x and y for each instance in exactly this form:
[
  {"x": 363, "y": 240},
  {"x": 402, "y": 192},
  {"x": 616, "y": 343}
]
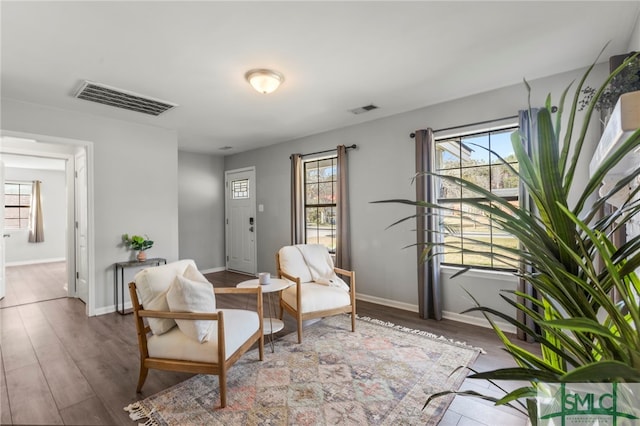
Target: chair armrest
[
  {"x": 235, "y": 290},
  {"x": 343, "y": 271},
  {"x": 213, "y": 316},
  {"x": 352, "y": 281},
  {"x": 289, "y": 277}
]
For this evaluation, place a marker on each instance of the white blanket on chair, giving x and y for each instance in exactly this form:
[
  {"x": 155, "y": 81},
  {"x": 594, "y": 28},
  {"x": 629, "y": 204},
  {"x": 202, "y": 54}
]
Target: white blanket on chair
[{"x": 320, "y": 265}]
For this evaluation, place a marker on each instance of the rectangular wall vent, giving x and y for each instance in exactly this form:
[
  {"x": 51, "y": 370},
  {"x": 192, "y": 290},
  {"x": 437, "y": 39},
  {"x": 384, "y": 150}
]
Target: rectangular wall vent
[
  {"x": 119, "y": 98},
  {"x": 362, "y": 109}
]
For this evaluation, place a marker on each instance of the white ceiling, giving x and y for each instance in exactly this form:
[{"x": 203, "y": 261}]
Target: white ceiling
[{"x": 335, "y": 56}]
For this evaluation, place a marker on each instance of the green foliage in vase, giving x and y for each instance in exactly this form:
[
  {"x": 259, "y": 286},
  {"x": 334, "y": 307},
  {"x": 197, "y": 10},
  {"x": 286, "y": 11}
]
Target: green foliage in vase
[
  {"x": 628, "y": 80},
  {"x": 567, "y": 254},
  {"x": 136, "y": 242}
]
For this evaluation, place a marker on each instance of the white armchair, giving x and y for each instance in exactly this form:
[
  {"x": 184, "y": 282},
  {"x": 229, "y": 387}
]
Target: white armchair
[
  {"x": 185, "y": 331},
  {"x": 318, "y": 291}
]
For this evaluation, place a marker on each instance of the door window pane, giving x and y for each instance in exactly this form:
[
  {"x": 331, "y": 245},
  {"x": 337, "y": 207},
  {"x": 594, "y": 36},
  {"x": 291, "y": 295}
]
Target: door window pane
[{"x": 240, "y": 189}]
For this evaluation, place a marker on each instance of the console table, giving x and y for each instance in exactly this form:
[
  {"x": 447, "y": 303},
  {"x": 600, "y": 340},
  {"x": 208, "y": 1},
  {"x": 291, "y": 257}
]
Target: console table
[{"x": 118, "y": 277}]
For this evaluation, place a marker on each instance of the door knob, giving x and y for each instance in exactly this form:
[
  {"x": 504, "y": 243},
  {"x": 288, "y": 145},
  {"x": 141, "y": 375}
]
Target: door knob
[{"x": 6, "y": 235}]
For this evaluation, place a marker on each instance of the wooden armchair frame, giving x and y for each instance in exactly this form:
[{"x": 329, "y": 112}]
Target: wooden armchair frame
[
  {"x": 220, "y": 368},
  {"x": 299, "y": 316}
]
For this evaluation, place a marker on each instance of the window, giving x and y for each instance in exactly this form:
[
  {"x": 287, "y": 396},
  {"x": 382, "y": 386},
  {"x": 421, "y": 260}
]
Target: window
[
  {"x": 240, "y": 189},
  {"x": 320, "y": 191},
  {"x": 469, "y": 157},
  {"x": 17, "y": 203}
]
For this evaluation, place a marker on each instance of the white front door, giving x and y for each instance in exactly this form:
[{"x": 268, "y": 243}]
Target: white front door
[
  {"x": 240, "y": 220},
  {"x": 82, "y": 258},
  {"x": 3, "y": 288}
]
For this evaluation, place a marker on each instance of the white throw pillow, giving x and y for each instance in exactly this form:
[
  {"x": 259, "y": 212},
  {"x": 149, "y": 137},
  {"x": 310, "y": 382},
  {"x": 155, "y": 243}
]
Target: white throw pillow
[
  {"x": 193, "y": 274},
  {"x": 292, "y": 262},
  {"x": 152, "y": 284},
  {"x": 186, "y": 295}
]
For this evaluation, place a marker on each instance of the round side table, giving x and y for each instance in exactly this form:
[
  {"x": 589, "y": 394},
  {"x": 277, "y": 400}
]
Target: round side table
[{"x": 271, "y": 324}]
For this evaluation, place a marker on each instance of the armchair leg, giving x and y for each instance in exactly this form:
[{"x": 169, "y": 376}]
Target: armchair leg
[
  {"x": 353, "y": 320},
  {"x": 299, "y": 328},
  {"x": 143, "y": 376},
  {"x": 223, "y": 387},
  {"x": 261, "y": 347}
]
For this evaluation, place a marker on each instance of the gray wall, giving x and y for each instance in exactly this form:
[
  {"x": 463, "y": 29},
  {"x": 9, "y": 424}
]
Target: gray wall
[
  {"x": 135, "y": 187},
  {"x": 54, "y": 205},
  {"x": 382, "y": 168},
  {"x": 201, "y": 209}
]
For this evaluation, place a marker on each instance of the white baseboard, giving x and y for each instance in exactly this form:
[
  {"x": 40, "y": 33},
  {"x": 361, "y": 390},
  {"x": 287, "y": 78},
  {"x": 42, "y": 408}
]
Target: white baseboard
[
  {"x": 386, "y": 302},
  {"x": 35, "y": 261},
  {"x": 466, "y": 319},
  {"x": 480, "y": 322},
  {"x": 212, "y": 270},
  {"x": 111, "y": 309}
]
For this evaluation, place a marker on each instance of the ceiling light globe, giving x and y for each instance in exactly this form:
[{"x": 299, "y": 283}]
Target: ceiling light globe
[{"x": 263, "y": 80}]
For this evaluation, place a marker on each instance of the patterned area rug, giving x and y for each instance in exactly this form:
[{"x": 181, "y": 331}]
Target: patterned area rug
[{"x": 380, "y": 375}]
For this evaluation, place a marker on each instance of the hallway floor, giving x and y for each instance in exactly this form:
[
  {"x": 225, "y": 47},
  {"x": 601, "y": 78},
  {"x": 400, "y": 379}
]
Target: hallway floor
[{"x": 34, "y": 283}]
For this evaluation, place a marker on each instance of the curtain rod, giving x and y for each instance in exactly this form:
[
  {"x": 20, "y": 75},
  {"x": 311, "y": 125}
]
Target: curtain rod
[
  {"x": 413, "y": 135},
  {"x": 354, "y": 146}
]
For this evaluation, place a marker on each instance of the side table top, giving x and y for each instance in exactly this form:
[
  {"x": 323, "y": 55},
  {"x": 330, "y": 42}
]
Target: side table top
[
  {"x": 276, "y": 284},
  {"x": 144, "y": 262}
]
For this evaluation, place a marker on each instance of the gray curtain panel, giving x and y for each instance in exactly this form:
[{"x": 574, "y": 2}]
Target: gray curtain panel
[
  {"x": 427, "y": 227},
  {"x": 297, "y": 200},
  {"x": 528, "y": 121},
  {"x": 36, "y": 224},
  {"x": 343, "y": 246}
]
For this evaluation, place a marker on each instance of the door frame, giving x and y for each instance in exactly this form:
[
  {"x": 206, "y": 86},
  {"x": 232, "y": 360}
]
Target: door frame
[
  {"x": 71, "y": 203},
  {"x": 252, "y": 170}
]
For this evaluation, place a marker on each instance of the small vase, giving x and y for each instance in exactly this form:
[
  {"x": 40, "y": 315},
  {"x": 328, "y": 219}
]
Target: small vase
[{"x": 142, "y": 256}]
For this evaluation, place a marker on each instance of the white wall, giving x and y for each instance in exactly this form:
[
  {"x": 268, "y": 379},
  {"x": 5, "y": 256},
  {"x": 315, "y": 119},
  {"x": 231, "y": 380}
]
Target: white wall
[
  {"x": 135, "y": 187},
  {"x": 634, "y": 41},
  {"x": 382, "y": 168},
  {"x": 201, "y": 209},
  {"x": 54, "y": 205}
]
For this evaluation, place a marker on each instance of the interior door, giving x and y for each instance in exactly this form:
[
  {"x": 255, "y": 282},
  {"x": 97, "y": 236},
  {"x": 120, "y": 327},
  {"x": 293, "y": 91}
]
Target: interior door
[
  {"x": 240, "y": 220},
  {"x": 82, "y": 258},
  {"x": 3, "y": 288}
]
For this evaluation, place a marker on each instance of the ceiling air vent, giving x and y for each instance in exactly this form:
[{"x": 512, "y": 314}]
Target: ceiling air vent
[
  {"x": 362, "y": 109},
  {"x": 112, "y": 96}
]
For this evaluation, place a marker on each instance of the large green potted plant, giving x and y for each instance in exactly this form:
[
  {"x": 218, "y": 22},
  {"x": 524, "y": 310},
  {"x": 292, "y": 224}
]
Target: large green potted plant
[{"x": 568, "y": 258}]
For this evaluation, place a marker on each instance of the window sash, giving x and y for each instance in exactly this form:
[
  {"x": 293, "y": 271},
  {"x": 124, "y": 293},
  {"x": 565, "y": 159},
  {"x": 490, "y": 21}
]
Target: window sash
[
  {"x": 457, "y": 156},
  {"x": 17, "y": 204},
  {"x": 320, "y": 192}
]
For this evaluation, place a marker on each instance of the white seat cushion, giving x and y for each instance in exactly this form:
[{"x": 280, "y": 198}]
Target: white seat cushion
[
  {"x": 153, "y": 283},
  {"x": 239, "y": 325},
  {"x": 186, "y": 295},
  {"x": 317, "y": 297}
]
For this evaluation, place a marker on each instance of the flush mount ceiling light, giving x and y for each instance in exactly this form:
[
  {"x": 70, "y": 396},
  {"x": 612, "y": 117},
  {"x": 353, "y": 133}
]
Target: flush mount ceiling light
[{"x": 263, "y": 80}]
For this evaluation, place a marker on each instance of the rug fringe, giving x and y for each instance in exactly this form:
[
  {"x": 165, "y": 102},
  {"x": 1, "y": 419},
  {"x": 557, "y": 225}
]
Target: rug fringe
[
  {"x": 138, "y": 411},
  {"x": 420, "y": 332}
]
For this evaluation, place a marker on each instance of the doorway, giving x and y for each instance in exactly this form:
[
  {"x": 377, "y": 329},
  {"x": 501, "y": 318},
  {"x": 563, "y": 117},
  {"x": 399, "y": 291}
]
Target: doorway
[
  {"x": 35, "y": 271},
  {"x": 240, "y": 220},
  {"x": 78, "y": 212}
]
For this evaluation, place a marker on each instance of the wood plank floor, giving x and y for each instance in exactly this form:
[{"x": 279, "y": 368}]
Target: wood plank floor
[
  {"x": 34, "y": 283},
  {"x": 61, "y": 367}
]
